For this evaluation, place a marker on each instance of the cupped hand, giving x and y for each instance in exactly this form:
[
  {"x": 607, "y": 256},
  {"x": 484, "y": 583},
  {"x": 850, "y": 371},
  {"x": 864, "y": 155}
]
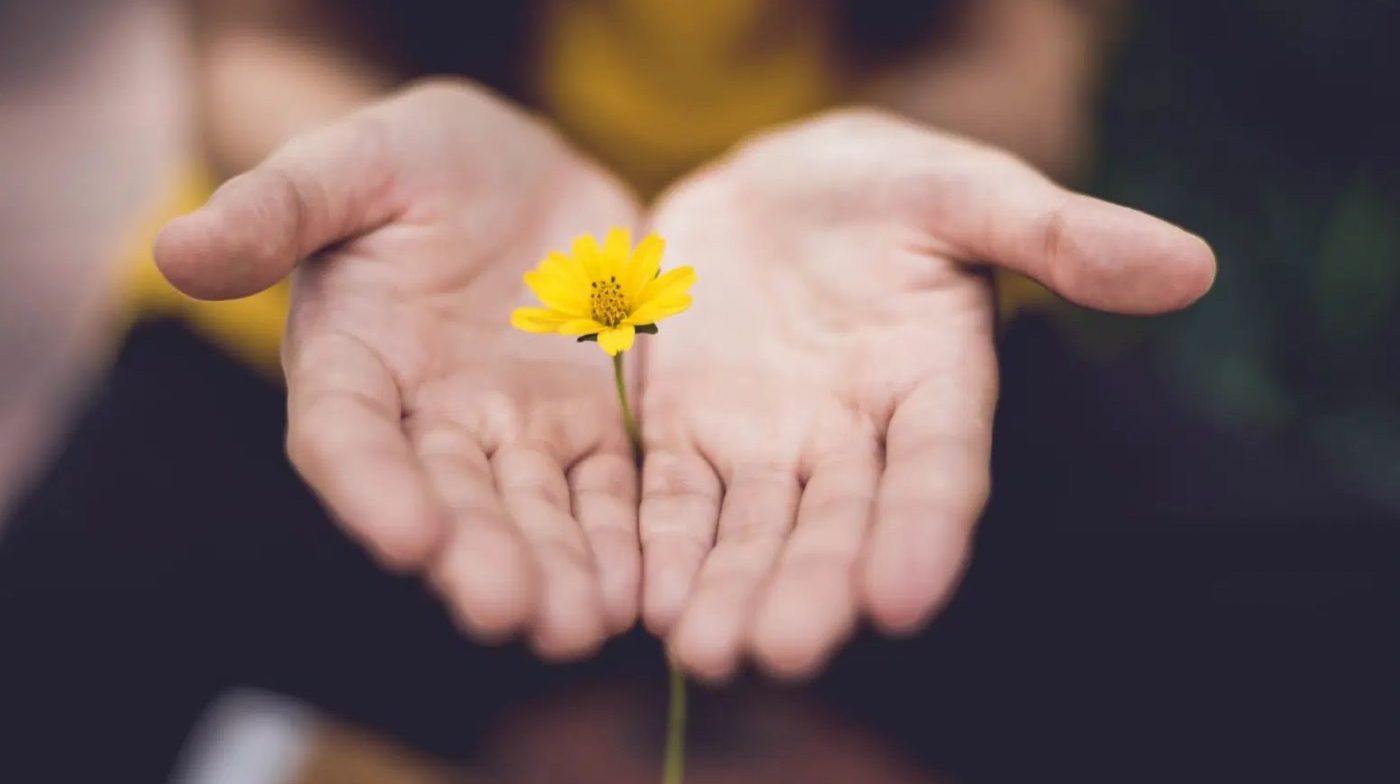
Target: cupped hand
[
  {"x": 492, "y": 461},
  {"x": 818, "y": 428}
]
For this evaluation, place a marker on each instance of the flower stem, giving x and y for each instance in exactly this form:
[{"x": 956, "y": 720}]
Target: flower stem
[
  {"x": 628, "y": 420},
  {"x": 673, "y": 770}
]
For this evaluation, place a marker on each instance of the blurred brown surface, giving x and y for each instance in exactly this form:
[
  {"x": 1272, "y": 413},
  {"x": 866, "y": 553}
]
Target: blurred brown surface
[
  {"x": 614, "y": 733},
  {"x": 746, "y": 735},
  {"x": 343, "y": 755}
]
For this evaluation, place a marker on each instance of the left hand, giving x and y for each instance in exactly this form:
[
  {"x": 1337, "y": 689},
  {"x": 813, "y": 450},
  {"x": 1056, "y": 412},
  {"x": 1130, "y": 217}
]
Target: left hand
[
  {"x": 450, "y": 444},
  {"x": 818, "y": 428}
]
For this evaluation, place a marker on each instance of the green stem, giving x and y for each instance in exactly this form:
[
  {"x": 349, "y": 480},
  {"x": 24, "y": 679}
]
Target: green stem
[
  {"x": 628, "y": 419},
  {"x": 673, "y": 768}
]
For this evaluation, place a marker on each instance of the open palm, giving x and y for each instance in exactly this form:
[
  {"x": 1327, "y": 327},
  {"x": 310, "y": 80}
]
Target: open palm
[
  {"x": 491, "y": 460},
  {"x": 818, "y": 429}
]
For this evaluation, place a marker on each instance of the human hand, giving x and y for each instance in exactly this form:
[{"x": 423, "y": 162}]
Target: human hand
[
  {"x": 446, "y": 441},
  {"x": 818, "y": 428}
]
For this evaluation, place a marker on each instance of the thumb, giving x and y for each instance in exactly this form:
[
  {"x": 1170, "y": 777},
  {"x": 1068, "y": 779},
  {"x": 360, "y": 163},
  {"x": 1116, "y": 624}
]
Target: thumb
[
  {"x": 322, "y": 187},
  {"x": 1089, "y": 251}
]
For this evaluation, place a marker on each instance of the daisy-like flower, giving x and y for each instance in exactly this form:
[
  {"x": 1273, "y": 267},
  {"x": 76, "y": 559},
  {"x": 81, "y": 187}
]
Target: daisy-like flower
[
  {"x": 610, "y": 294},
  {"x": 606, "y": 294}
]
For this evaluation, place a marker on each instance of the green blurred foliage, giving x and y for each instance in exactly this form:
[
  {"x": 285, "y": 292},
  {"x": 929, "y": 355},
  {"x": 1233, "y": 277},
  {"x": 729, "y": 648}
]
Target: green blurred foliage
[{"x": 1273, "y": 130}]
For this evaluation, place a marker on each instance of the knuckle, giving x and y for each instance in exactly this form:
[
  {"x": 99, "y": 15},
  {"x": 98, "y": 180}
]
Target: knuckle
[
  {"x": 760, "y": 470},
  {"x": 302, "y": 447},
  {"x": 441, "y": 96},
  {"x": 840, "y": 507},
  {"x": 853, "y": 118},
  {"x": 564, "y": 557},
  {"x": 754, "y": 532},
  {"x": 435, "y": 86},
  {"x": 1000, "y": 158},
  {"x": 821, "y": 561},
  {"x": 979, "y": 491},
  {"x": 605, "y": 475},
  {"x": 676, "y": 547},
  {"x": 404, "y": 550},
  {"x": 314, "y": 438},
  {"x": 665, "y": 480},
  {"x": 1053, "y": 234}
]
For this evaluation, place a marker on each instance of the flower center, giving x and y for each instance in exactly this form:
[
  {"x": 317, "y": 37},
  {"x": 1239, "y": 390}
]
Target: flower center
[{"x": 609, "y": 305}]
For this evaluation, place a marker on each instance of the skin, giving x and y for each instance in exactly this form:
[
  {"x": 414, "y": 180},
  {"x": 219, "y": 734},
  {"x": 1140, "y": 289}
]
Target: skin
[
  {"x": 818, "y": 427},
  {"x": 267, "y": 70},
  {"x": 491, "y": 461}
]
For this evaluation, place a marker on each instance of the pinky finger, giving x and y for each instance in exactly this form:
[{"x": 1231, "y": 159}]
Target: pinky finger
[
  {"x": 344, "y": 437},
  {"x": 934, "y": 486},
  {"x": 483, "y": 570}
]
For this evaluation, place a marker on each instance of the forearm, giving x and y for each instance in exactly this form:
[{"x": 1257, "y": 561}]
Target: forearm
[
  {"x": 269, "y": 69},
  {"x": 1020, "y": 74}
]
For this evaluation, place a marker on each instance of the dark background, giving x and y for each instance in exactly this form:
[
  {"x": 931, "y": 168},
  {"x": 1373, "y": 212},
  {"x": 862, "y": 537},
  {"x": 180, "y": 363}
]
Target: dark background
[{"x": 1187, "y": 572}]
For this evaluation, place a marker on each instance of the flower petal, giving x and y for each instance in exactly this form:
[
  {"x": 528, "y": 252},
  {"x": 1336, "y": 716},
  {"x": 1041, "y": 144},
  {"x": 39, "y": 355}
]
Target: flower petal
[
  {"x": 537, "y": 319},
  {"x": 654, "y": 310},
  {"x": 617, "y": 247},
  {"x": 617, "y": 339},
  {"x": 587, "y": 256},
  {"x": 580, "y": 327},
  {"x": 565, "y": 268},
  {"x": 645, "y": 263},
  {"x": 558, "y": 293},
  {"x": 676, "y": 281}
]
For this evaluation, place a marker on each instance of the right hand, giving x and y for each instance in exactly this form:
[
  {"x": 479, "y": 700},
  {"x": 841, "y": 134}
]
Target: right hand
[
  {"x": 819, "y": 426},
  {"x": 449, "y": 443}
]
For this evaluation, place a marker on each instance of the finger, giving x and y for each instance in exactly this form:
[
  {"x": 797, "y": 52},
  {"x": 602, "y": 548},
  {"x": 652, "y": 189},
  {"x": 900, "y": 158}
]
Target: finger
[
  {"x": 604, "y": 488},
  {"x": 809, "y": 605},
  {"x": 568, "y": 619},
  {"x": 935, "y": 483},
  {"x": 484, "y": 570},
  {"x": 1091, "y": 252},
  {"x": 318, "y": 189},
  {"x": 759, "y": 505},
  {"x": 344, "y": 437},
  {"x": 677, "y": 520}
]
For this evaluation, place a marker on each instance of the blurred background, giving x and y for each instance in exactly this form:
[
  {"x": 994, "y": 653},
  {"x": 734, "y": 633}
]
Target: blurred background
[{"x": 1189, "y": 565}]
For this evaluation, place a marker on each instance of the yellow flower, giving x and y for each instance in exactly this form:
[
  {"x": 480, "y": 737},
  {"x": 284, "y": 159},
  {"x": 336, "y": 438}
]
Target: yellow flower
[{"x": 608, "y": 294}]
